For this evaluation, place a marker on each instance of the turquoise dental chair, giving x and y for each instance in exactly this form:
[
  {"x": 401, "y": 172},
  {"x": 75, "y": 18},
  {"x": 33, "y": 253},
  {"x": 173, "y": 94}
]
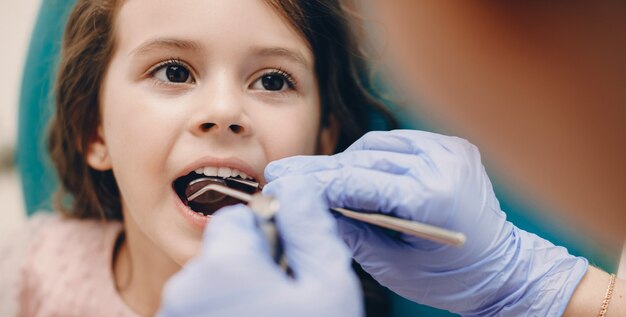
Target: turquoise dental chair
[{"x": 39, "y": 180}]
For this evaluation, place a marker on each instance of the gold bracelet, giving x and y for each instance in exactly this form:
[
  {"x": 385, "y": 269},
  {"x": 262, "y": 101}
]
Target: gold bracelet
[{"x": 607, "y": 296}]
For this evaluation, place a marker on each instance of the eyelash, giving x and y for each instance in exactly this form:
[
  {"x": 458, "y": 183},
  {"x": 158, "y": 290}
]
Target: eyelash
[
  {"x": 276, "y": 71},
  {"x": 170, "y": 62},
  {"x": 291, "y": 81}
]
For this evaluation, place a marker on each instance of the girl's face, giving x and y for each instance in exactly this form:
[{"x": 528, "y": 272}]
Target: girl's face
[{"x": 198, "y": 84}]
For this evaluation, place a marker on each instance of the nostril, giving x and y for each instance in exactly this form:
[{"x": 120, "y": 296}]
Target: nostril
[
  {"x": 206, "y": 126},
  {"x": 236, "y": 128}
]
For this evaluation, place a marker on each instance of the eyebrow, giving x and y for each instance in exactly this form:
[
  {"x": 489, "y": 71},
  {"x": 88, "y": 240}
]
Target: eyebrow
[
  {"x": 283, "y": 53},
  {"x": 161, "y": 43}
]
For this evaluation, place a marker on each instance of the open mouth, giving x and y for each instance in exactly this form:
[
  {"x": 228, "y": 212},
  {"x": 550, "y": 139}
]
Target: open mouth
[{"x": 211, "y": 202}]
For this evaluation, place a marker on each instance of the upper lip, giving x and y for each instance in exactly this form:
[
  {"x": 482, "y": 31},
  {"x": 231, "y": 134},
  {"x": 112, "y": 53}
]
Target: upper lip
[{"x": 231, "y": 162}]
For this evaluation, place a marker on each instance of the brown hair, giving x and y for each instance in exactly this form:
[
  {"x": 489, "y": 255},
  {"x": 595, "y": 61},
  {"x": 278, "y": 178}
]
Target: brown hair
[{"x": 88, "y": 45}]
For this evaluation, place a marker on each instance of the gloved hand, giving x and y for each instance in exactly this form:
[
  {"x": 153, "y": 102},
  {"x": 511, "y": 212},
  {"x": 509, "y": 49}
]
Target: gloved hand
[
  {"x": 234, "y": 274},
  {"x": 439, "y": 180}
]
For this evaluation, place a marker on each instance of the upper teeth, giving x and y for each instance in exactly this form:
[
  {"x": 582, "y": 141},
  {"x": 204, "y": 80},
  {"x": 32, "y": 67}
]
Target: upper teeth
[{"x": 221, "y": 172}]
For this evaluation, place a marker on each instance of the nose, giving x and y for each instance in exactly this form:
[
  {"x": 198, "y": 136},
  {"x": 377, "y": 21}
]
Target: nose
[{"x": 221, "y": 113}]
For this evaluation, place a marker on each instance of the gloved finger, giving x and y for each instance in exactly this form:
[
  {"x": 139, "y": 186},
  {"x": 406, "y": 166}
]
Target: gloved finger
[
  {"x": 390, "y": 162},
  {"x": 232, "y": 232},
  {"x": 231, "y": 243},
  {"x": 371, "y": 247},
  {"x": 430, "y": 147},
  {"x": 372, "y": 244},
  {"x": 299, "y": 164},
  {"x": 445, "y": 151},
  {"x": 309, "y": 232},
  {"x": 231, "y": 240},
  {"x": 425, "y": 199},
  {"x": 408, "y": 142},
  {"x": 358, "y": 235}
]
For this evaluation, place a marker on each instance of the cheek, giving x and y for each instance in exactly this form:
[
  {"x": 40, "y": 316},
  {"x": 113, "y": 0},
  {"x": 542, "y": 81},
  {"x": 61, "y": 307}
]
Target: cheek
[
  {"x": 137, "y": 123},
  {"x": 133, "y": 132},
  {"x": 291, "y": 132},
  {"x": 138, "y": 134}
]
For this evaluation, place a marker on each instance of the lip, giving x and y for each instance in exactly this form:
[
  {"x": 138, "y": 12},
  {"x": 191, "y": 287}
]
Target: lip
[
  {"x": 197, "y": 221},
  {"x": 230, "y": 162}
]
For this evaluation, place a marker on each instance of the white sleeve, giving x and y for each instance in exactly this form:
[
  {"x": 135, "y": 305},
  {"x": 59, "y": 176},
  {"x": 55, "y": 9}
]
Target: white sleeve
[{"x": 14, "y": 249}]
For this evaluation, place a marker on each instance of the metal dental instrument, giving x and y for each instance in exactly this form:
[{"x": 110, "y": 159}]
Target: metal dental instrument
[
  {"x": 212, "y": 190},
  {"x": 194, "y": 189},
  {"x": 413, "y": 228},
  {"x": 264, "y": 208}
]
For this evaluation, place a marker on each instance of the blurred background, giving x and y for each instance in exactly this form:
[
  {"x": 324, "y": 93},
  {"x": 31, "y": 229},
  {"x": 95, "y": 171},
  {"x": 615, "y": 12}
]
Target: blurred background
[{"x": 18, "y": 18}]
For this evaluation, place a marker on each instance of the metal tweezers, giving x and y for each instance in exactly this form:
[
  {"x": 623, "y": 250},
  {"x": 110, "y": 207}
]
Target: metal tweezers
[{"x": 266, "y": 207}]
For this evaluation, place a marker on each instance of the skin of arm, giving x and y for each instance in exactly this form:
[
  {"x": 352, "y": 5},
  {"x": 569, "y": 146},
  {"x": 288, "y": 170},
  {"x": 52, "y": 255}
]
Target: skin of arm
[{"x": 587, "y": 298}]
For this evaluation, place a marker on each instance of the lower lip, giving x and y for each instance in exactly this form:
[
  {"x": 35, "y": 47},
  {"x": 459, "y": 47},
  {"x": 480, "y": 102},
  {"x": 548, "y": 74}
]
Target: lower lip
[{"x": 194, "y": 219}]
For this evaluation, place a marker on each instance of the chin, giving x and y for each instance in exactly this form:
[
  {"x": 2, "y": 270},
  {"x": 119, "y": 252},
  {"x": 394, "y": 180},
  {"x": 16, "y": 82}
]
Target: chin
[{"x": 179, "y": 245}]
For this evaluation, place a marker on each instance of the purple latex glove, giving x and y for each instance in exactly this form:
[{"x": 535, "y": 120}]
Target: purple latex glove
[{"x": 438, "y": 180}]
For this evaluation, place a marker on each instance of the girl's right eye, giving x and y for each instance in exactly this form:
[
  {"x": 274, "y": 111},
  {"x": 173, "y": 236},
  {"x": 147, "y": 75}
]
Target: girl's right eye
[{"x": 174, "y": 72}]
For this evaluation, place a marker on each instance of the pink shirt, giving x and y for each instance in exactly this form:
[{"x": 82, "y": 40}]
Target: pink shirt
[{"x": 57, "y": 266}]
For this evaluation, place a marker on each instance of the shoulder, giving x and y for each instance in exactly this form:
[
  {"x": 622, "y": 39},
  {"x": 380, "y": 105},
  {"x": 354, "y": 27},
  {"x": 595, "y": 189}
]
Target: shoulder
[
  {"x": 55, "y": 230},
  {"x": 61, "y": 239},
  {"x": 56, "y": 238},
  {"x": 60, "y": 244},
  {"x": 15, "y": 249},
  {"x": 67, "y": 259}
]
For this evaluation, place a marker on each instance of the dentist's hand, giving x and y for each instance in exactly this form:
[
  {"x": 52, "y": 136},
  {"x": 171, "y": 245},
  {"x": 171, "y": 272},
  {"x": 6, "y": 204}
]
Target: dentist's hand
[
  {"x": 439, "y": 180},
  {"x": 234, "y": 274}
]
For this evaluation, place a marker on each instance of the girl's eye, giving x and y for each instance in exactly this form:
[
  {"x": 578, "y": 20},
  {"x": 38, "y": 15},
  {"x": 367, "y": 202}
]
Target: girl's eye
[
  {"x": 174, "y": 73},
  {"x": 274, "y": 81}
]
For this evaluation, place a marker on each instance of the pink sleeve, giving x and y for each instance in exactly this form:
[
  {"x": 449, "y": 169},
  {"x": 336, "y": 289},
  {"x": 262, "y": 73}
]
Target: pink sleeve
[{"x": 14, "y": 250}]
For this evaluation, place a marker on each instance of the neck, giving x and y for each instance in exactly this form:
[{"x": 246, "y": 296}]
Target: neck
[{"x": 140, "y": 270}]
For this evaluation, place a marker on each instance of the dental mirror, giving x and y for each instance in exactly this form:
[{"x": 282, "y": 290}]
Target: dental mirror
[
  {"x": 194, "y": 191},
  {"x": 207, "y": 197}
]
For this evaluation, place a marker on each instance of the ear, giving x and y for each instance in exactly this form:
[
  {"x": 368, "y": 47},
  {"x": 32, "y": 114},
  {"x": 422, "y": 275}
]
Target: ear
[
  {"x": 97, "y": 152},
  {"x": 329, "y": 135}
]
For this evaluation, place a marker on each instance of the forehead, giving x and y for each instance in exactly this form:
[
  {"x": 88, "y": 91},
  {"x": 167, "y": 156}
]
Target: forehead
[{"x": 227, "y": 26}]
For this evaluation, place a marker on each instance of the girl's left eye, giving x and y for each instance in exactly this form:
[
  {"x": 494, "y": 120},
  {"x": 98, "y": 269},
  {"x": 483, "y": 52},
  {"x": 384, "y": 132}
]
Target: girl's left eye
[
  {"x": 173, "y": 72},
  {"x": 276, "y": 80}
]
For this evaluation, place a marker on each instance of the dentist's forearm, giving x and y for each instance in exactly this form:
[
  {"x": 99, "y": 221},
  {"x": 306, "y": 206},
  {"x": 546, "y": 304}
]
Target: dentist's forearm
[{"x": 590, "y": 293}]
